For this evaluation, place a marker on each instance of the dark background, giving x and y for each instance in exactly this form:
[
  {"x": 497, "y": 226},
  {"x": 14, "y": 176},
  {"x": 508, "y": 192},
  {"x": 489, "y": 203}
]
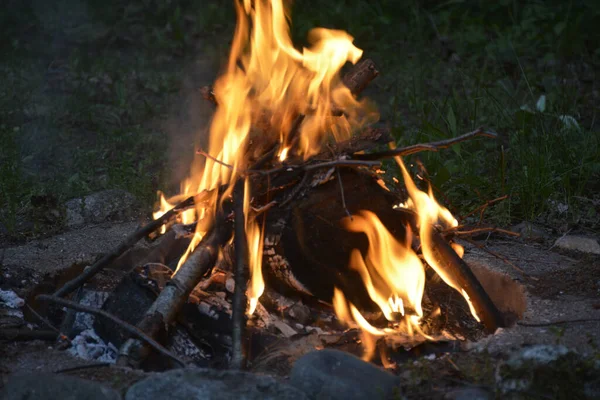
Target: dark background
[{"x": 103, "y": 94}]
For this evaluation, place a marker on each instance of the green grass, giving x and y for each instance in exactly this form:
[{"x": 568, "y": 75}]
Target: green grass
[{"x": 89, "y": 84}]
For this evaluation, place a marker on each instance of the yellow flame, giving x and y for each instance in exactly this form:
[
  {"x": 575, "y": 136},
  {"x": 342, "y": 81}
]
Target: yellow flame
[
  {"x": 267, "y": 76},
  {"x": 431, "y": 213},
  {"x": 391, "y": 271},
  {"x": 255, "y": 234}
]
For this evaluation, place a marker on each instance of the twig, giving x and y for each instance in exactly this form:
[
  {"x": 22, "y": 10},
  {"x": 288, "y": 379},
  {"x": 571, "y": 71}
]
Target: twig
[
  {"x": 295, "y": 191},
  {"x": 263, "y": 209},
  {"x": 339, "y": 176},
  {"x": 205, "y": 154},
  {"x": 85, "y": 366},
  {"x": 457, "y": 232},
  {"x": 559, "y": 322},
  {"x": 241, "y": 263},
  {"x": 126, "y": 326},
  {"x": 132, "y": 239},
  {"x": 481, "y": 209},
  {"x": 416, "y": 148},
  {"x": 498, "y": 256},
  {"x": 311, "y": 167},
  {"x": 46, "y": 322}
]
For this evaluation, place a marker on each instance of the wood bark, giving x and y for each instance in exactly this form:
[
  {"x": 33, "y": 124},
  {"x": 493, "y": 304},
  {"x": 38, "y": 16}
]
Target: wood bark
[{"x": 164, "y": 310}]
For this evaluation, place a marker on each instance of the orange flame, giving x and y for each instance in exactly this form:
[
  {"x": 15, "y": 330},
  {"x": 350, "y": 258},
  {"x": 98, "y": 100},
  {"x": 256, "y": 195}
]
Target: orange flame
[
  {"x": 431, "y": 213},
  {"x": 255, "y": 235}
]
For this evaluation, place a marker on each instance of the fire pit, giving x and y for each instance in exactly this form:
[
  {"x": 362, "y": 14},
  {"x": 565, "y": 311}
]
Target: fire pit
[{"x": 286, "y": 223}]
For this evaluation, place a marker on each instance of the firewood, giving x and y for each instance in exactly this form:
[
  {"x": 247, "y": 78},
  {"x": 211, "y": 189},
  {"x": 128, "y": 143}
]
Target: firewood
[
  {"x": 433, "y": 146},
  {"x": 128, "y": 327},
  {"x": 164, "y": 310},
  {"x": 241, "y": 267}
]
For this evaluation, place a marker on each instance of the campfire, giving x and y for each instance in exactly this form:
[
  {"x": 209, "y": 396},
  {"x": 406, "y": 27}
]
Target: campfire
[{"x": 288, "y": 203}]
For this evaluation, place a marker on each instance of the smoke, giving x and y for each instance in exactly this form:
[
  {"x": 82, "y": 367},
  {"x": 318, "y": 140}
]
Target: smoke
[{"x": 189, "y": 121}]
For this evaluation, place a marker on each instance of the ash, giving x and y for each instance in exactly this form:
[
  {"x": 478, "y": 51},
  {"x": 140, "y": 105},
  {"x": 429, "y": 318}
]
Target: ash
[
  {"x": 11, "y": 303},
  {"x": 89, "y": 346}
]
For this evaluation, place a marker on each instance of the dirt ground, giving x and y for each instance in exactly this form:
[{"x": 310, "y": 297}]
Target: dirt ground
[{"x": 561, "y": 292}]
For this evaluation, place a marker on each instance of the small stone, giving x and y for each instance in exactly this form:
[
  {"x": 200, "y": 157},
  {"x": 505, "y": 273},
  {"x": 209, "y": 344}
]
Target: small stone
[
  {"x": 48, "y": 386},
  {"x": 578, "y": 243},
  {"x": 549, "y": 371},
  {"x": 529, "y": 231},
  {"x": 100, "y": 207},
  {"x": 333, "y": 374},
  {"x": 210, "y": 384}
]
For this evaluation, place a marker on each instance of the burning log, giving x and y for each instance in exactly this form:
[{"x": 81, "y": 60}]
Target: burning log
[
  {"x": 164, "y": 310},
  {"x": 241, "y": 265}
]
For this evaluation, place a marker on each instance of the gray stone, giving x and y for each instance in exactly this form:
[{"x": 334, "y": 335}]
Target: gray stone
[
  {"x": 529, "y": 231},
  {"x": 99, "y": 207},
  {"x": 473, "y": 393},
  {"x": 332, "y": 374},
  {"x": 578, "y": 243},
  {"x": 547, "y": 370},
  {"x": 49, "y": 386},
  {"x": 209, "y": 384}
]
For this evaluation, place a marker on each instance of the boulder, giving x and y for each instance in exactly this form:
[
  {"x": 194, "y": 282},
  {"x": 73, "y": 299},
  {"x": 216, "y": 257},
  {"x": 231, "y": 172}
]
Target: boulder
[
  {"x": 49, "y": 386},
  {"x": 210, "y": 384},
  {"x": 578, "y": 243},
  {"x": 100, "y": 207},
  {"x": 333, "y": 374}
]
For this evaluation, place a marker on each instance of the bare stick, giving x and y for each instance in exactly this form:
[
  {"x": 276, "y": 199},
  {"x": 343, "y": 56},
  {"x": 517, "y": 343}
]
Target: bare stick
[
  {"x": 475, "y": 231},
  {"x": 461, "y": 274},
  {"x": 132, "y": 239},
  {"x": 165, "y": 308},
  {"x": 126, "y": 326},
  {"x": 46, "y": 322},
  {"x": 416, "y": 148},
  {"x": 339, "y": 176},
  {"x": 205, "y": 154},
  {"x": 498, "y": 256},
  {"x": 239, "y": 295},
  {"x": 311, "y": 167},
  {"x": 481, "y": 209}
]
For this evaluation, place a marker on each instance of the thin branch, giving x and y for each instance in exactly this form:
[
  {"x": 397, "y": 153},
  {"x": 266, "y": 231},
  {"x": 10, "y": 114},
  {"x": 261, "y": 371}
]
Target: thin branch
[
  {"x": 46, "y": 322},
  {"x": 132, "y": 239},
  {"x": 312, "y": 167},
  {"x": 295, "y": 191},
  {"x": 339, "y": 176},
  {"x": 475, "y": 231},
  {"x": 481, "y": 209},
  {"x": 498, "y": 256},
  {"x": 241, "y": 265},
  {"x": 416, "y": 148},
  {"x": 80, "y": 367},
  {"x": 205, "y": 154},
  {"x": 126, "y": 326}
]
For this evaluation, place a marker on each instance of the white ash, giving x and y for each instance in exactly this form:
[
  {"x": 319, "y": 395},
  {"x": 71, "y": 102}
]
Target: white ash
[
  {"x": 182, "y": 344},
  {"x": 89, "y": 346},
  {"x": 11, "y": 303},
  {"x": 93, "y": 299}
]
